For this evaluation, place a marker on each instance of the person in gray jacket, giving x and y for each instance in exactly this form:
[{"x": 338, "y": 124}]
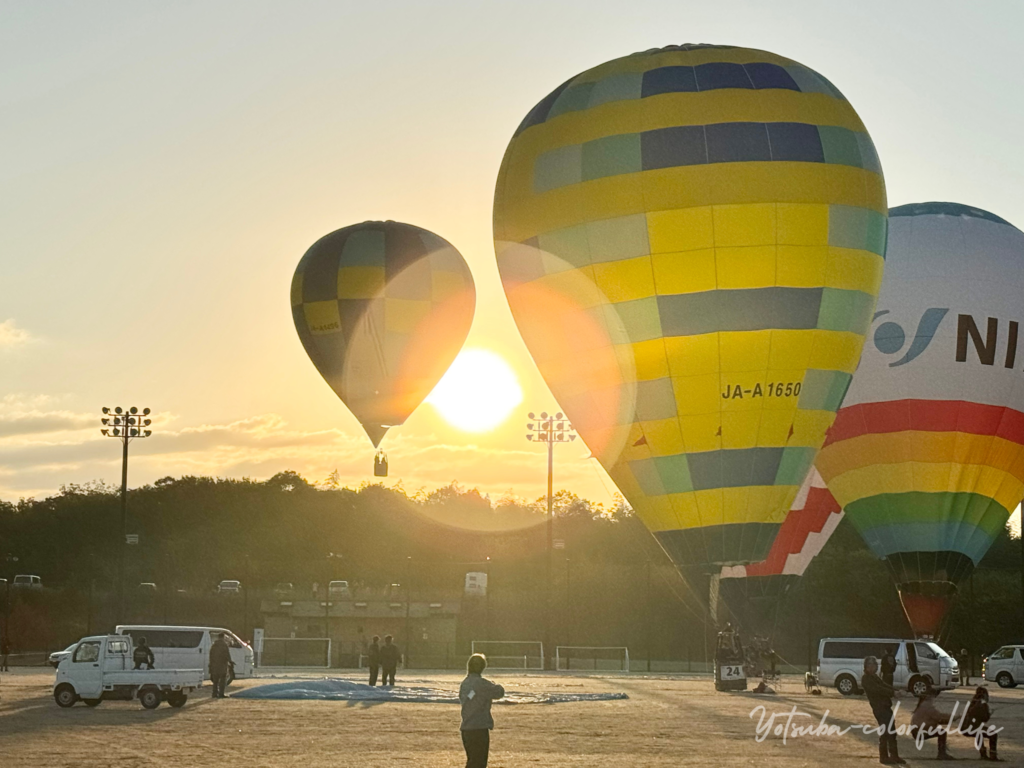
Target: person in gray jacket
[{"x": 476, "y": 694}]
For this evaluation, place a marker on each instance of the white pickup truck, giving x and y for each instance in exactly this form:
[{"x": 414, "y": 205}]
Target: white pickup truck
[{"x": 100, "y": 668}]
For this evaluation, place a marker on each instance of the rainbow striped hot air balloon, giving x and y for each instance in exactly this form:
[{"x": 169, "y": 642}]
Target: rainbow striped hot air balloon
[
  {"x": 691, "y": 240},
  {"x": 927, "y": 454}
]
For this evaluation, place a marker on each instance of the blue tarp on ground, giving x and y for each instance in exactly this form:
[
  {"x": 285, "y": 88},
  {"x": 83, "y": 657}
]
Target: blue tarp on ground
[{"x": 335, "y": 689}]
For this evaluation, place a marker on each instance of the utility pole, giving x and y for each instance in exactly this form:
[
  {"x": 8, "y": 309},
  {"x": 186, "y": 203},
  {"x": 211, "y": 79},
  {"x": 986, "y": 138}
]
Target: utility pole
[
  {"x": 125, "y": 425},
  {"x": 550, "y": 430}
]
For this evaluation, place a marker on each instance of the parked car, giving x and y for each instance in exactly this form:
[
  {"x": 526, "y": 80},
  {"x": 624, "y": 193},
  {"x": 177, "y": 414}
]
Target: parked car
[
  {"x": 1004, "y": 666},
  {"x": 28, "y": 582},
  {"x": 147, "y": 586},
  {"x": 100, "y": 668},
  {"x": 338, "y": 589},
  {"x": 58, "y": 656},
  {"x": 189, "y": 647},
  {"x": 229, "y": 587},
  {"x": 284, "y": 588},
  {"x": 919, "y": 663}
]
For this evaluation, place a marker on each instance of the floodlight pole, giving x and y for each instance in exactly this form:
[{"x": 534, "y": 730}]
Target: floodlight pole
[
  {"x": 550, "y": 430},
  {"x": 125, "y": 424}
]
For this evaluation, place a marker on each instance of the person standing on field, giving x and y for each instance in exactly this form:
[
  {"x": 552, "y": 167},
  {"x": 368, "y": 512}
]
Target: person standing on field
[
  {"x": 476, "y": 694},
  {"x": 964, "y": 661},
  {"x": 389, "y": 656},
  {"x": 880, "y": 696},
  {"x": 220, "y": 662},
  {"x": 5, "y": 651},
  {"x": 373, "y": 659}
]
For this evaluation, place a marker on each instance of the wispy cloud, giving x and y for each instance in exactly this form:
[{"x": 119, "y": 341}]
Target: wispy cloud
[{"x": 13, "y": 336}]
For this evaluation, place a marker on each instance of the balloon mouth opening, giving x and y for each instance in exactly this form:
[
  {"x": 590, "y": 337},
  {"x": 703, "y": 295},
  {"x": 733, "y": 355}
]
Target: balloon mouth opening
[{"x": 926, "y": 604}]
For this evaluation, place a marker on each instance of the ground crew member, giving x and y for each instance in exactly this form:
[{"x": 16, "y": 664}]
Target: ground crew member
[
  {"x": 5, "y": 651},
  {"x": 888, "y": 667},
  {"x": 880, "y": 696},
  {"x": 373, "y": 659},
  {"x": 928, "y": 717},
  {"x": 976, "y": 726},
  {"x": 389, "y": 656},
  {"x": 220, "y": 662},
  {"x": 964, "y": 660},
  {"x": 143, "y": 654},
  {"x": 476, "y": 695}
]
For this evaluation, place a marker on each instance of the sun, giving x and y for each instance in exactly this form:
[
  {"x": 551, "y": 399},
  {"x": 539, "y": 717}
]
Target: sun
[{"x": 478, "y": 392}]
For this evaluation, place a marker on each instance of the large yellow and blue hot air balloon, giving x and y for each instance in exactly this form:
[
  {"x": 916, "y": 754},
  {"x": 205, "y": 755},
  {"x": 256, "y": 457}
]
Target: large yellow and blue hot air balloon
[
  {"x": 691, "y": 240},
  {"x": 382, "y": 308},
  {"x": 927, "y": 453}
]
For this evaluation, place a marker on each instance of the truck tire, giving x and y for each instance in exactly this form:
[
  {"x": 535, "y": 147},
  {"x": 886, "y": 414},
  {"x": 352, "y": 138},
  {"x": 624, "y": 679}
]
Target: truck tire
[
  {"x": 92, "y": 702},
  {"x": 65, "y": 696},
  {"x": 177, "y": 699},
  {"x": 1005, "y": 680},
  {"x": 150, "y": 697},
  {"x": 846, "y": 685}
]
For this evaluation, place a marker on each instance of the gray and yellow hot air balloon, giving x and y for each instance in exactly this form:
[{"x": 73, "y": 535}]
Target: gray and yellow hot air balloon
[
  {"x": 691, "y": 240},
  {"x": 382, "y": 308}
]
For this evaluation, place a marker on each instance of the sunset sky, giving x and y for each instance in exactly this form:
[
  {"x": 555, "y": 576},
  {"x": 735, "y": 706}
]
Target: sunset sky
[{"x": 165, "y": 165}]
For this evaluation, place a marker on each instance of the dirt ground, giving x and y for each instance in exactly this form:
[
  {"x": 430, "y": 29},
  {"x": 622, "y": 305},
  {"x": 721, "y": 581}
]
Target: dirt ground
[{"x": 667, "y": 721}]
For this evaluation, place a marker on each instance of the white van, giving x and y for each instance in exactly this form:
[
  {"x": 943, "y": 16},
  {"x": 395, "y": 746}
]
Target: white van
[
  {"x": 1005, "y": 666},
  {"x": 919, "y": 663},
  {"x": 189, "y": 648}
]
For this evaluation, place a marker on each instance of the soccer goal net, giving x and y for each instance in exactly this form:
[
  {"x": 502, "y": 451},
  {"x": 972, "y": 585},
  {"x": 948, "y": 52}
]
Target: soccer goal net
[
  {"x": 511, "y": 654},
  {"x": 312, "y": 652},
  {"x": 592, "y": 658}
]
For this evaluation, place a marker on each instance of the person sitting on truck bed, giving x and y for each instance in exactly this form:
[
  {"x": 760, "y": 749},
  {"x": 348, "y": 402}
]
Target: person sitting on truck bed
[
  {"x": 220, "y": 660},
  {"x": 143, "y": 654}
]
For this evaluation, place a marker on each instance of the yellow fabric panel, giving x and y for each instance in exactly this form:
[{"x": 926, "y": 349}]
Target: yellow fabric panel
[
  {"x": 649, "y": 359},
  {"x": 780, "y": 377},
  {"x": 800, "y": 224},
  {"x": 577, "y": 285},
  {"x": 682, "y": 229},
  {"x": 790, "y": 348},
  {"x": 322, "y": 317},
  {"x": 360, "y": 282},
  {"x": 755, "y": 503},
  {"x": 696, "y": 394},
  {"x": 809, "y": 427},
  {"x": 688, "y": 186},
  {"x": 993, "y": 451},
  {"x": 701, "y": 432},
  {"x": 744, "y": 351},
  {"x": 739, "y": 225},
  {"x": 740, "y": 429},
  {"x": 663, "y": 436},
  {"x": 693, "y": 355},
  {"x": 854, "y": 270},
  {"x": 836, "y": 351},
  {"x": 801, "y": 266},
  {"x": 623, "y": 478},
  {"x": 750, "y": 267},
  {"x": 687, "y": 513},
  {"x": 686, "y": 272},
  {"x": 403, "y": 315},
  {"x": 658, "y": 513},
  {"x": 296, "y": 288},
  {"x": 625, "y": 280},
  {"x": 775, "y": 426}
]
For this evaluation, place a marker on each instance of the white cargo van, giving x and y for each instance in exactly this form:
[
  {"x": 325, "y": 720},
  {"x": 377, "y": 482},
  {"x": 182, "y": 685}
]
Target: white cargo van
[
  {"x": 919, "y": 663},
  {"x": 1005, "y": 666},
  {"x": 189, "y": 648}
]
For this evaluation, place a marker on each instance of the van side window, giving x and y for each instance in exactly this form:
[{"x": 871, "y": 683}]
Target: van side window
[
  {"x": 853, "y": 650},
  {"x": 1003, "y": 653},
  {"x": 87, "y": 652},
  {"x": 924, "y": 652}
]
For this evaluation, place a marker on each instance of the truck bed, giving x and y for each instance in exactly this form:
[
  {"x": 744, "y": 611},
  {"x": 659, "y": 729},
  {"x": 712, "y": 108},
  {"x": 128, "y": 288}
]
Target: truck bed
[{"x": 169, "y": 678}]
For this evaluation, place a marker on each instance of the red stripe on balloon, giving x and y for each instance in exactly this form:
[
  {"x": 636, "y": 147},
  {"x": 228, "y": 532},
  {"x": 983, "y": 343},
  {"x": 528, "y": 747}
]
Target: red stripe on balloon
[
  {"x": 927, "y": 416},
  {"x": 798, "y": 525}
]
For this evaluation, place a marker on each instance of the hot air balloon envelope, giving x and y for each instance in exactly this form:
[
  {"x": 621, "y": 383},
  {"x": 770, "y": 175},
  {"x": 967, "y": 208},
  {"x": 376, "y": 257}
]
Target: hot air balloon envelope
[
  {"x": 691, "y": 240},
  {"x": 926, "y": 454},
  {"x": 382, "y": 309}
]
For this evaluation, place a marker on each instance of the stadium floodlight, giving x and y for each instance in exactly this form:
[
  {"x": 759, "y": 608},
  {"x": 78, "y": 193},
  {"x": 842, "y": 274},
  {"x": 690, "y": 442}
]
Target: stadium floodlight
[
  {"x": 550, "y": 430},
  {"x": 127, "y": 426}
]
